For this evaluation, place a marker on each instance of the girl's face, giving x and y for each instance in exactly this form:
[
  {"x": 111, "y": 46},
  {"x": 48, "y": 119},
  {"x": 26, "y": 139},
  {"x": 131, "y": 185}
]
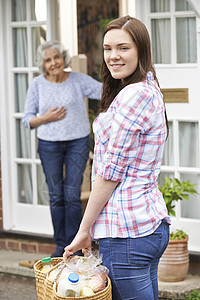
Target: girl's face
[
  {"x": 54, "y": 62},
  {"x": 120, "y": 53}
]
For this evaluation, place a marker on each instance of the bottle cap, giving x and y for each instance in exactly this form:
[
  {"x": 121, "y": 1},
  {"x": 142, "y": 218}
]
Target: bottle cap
[
  {"x": 73, "y": 277},
  {"x": 46, "y": 259}
]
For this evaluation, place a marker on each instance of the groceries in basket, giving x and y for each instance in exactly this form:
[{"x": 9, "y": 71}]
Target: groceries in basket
[
  {"x": 80, "y": 276},
  {"x": 46, "y": 264},
  {"x": 70, "y": 286}
]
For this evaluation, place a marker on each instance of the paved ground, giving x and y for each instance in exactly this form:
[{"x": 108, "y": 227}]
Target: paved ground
[
  {"x": 9, "y": 262},
  {"x": 18, "y": 283},
  {"x": 14, "y": 287}
]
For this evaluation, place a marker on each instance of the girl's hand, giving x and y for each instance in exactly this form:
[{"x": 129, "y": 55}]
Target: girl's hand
[{"x": 82, "y": 240}]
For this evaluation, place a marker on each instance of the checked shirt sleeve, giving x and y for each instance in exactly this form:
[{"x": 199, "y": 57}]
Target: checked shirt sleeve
[{"x": 133, "y": 117}]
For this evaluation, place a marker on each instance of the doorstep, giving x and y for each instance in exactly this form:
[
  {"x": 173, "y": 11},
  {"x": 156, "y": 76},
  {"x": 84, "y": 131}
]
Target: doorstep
[
  {"x": 178, "y": 290},
  {"x": 10, "y": 262}
]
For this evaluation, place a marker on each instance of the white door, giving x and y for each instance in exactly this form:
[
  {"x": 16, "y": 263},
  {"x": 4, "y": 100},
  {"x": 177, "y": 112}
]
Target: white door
[
  {"x": 25, "y": 195},
  {"x": 175, "y": 38}
]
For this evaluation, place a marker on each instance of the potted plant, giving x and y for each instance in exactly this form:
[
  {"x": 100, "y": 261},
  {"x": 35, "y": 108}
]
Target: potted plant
[{"x": 174, "y": 263}]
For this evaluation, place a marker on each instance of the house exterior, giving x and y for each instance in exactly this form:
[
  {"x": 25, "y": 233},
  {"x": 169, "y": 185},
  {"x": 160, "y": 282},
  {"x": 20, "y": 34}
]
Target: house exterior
[{"x": 174, "y": 27}]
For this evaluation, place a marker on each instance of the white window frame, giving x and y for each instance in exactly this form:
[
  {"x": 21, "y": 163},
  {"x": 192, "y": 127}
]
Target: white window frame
[
  {"x": 176, "y": 168},
  {"x": 187, "y": 224},
  {"x": 146, "y": 16}
]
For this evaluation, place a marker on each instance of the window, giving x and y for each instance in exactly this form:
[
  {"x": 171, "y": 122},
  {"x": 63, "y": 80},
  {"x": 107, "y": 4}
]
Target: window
[
  {"x": 181, "y": 160},
  {"x": 173, "y": 30}
]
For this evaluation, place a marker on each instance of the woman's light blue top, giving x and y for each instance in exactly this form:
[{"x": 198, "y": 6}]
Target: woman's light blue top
[{"x": 43, "y": 95}]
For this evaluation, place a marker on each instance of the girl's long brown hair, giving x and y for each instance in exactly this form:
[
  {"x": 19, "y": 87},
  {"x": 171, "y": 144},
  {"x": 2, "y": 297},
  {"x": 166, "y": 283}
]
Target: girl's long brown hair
[{"x": 140, "y": 36}]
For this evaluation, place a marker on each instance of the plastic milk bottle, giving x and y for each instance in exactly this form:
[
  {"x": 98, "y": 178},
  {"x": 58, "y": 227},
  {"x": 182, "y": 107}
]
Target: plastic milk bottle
[{"x": 69, "y": 286}]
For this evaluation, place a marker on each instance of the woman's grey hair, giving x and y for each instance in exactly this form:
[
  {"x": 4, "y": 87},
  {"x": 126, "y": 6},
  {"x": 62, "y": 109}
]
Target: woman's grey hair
[{"x": 41, "y": 54}]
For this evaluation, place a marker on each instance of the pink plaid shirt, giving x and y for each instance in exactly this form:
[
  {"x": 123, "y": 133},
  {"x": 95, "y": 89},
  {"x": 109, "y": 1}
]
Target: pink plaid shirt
[{"x": 129, "y": 143}]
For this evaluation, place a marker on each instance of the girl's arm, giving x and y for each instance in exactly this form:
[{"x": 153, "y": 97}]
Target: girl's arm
[{"x": 100, "y": 194}]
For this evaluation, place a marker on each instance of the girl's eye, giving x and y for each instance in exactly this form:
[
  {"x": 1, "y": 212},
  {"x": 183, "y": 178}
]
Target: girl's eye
[
  {"x": 106, "y": 49},
  {"x": 123, "y": 48}
]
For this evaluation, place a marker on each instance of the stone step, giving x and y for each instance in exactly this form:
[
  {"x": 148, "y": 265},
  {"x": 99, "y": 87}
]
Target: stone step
[{"x": 178, "y": 290}]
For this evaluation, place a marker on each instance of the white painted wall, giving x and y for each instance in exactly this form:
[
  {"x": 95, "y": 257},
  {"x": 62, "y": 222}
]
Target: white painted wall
[{"x": 183, "y": 77}]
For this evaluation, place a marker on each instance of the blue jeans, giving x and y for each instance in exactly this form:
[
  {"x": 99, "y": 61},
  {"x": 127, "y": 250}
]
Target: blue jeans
[
  {"x": 63, "y": 165},
  {"x": 133, "y": 263}
]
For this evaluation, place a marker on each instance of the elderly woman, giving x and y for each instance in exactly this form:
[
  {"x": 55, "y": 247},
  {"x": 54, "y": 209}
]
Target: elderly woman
[{"x": 55, "y": 105}]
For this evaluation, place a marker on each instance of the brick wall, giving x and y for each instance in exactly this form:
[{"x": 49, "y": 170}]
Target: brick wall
[{"x": 24, "y": 245}]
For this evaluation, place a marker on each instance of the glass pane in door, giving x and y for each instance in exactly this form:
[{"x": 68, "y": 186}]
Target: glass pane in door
[
  {"x": 191, "y": 208},
  {"x": 23, "y": 140},
  {"x": 189, "y": 144},
  {"x": 39, "y": 10},
  {"x": 38, "y": 37},
  {"x": 43, "y": 194},
  {"x": 168, "y": 157},
  {"x": 182, "y": 5},
  {"x": 20, "y": 47},
  {"x": 18, "y": 8},
  {"x": 25, "y": 189},
  {"x": 160, "y": 5},
  {"x": 21, "y": 85},
  {"x": 161, "y": 40},
  {"x": 186, "y": 40}
]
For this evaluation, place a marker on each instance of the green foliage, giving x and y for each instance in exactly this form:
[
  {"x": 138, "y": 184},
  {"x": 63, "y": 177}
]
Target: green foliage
[
  {"x": 104, "y": 22},
  {"x": 174, "y": 190},
  {"x": 195, "y": 295},
  {"x": 178, "y": 235}
]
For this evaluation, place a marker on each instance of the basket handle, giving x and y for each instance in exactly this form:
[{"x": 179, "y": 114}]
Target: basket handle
[{"x": 55, "y": 267}]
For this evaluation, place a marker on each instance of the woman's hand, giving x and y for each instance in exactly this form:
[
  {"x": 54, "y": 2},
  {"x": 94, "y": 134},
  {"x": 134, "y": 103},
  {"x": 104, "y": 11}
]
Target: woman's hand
[
  {"x": 82, "y": 240},
  {"x": 52, "y": 115}
]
